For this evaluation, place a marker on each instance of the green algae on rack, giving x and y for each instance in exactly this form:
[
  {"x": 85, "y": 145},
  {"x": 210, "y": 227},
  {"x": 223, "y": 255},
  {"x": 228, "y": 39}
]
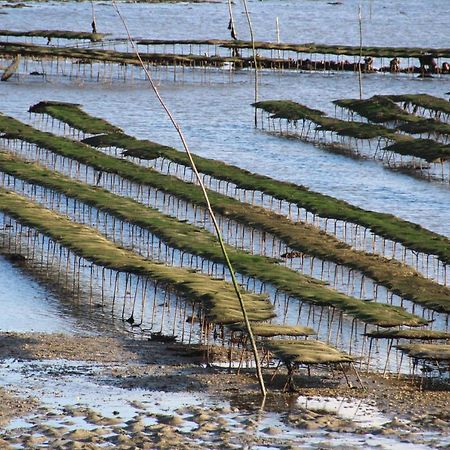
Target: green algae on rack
[
  {"x": 293, "y": 111},
  {"x": 426, "y": 126},
  {"x": 74, "y": 116},
  {"x": 426, "y": 101},
  {"x": 422, "y": 335},
  {"x": 388, "y": 226},
  {"x": 57, "y": 34},
  {"x": 231, "y": 59},
  {"x": 428, "y": 150},
  {"x": 377, "y": 109},
  {"x": 307, "y": 352},
  {"x": 427, "y": 352},
  {"x": 266, "y": 330},
  {"x": 221, "y": 306},
  {"x": 85, "y": 56},
  {"x": 295, "y": 352},
  {"x": 200, "y": 242},
  {"x": 218, "y": 296},
  {"x": 309, "y": 48},
  {"x": 395, "y": 276},
  {"x": 382, "y": 109},
  {"x": 380, "y": 52}
]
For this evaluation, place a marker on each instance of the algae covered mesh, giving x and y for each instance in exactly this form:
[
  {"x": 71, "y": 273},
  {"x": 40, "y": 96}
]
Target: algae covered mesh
[
  {"x": 86, "y": 55},
  {"x": 103, "y": 170},
  {"x": 283, "y": 283},
  {"x": 386, "y": 272},
  {"x": 294, "y": 284}
]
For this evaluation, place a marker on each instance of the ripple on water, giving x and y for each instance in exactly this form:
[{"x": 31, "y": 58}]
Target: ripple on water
[{"x": 29, "y": 305}]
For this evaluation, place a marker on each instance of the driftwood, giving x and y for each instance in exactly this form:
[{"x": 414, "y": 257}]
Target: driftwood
[{"x": 11, "y": 69}]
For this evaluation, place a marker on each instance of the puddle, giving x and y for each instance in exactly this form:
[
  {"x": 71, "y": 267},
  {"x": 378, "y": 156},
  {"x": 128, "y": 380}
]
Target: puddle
[
  {"x": 81, "y": 401},
  {"x": 357, "y": 411}
]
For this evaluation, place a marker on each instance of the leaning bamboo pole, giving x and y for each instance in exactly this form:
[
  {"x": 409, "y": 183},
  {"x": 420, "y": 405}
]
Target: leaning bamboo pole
[
  {"x": 360, "y": 52},
  {"x": 231, "y": 24},
  {"x": 255, "y": 61},
  {"x": 205, "y": 194}
]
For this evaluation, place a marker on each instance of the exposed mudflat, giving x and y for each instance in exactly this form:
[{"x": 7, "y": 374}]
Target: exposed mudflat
[{"x": 75, "y": 391}]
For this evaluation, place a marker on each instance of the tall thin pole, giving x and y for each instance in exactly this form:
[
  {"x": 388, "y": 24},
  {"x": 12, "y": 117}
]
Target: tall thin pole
[
  {"x": 255, "y": 62},
  {"x": 231, "y": 24},
  {"x": 205, "y": 194},
  {"x": 360, "y": 52}
]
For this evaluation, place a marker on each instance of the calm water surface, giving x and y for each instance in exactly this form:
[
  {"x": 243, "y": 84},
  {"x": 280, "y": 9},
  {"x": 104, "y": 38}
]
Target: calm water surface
[
  {"x": 388, "y": 23},
  {"x": 28, "y": 306},
  {"x": 216, "y": 115},
  {"x": 218, "y": 122}
]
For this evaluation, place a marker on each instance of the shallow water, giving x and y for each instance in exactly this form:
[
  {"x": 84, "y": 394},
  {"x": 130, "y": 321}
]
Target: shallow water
[
  {"x": 215, "y": 114},
  {"x": 32, "y": 305},
  {"x": 28, "y": 306},
  {"x": 361, "y": 412},
  {"x": 217, "y": 120},
  {"x": 385, "y": 23},
  {"x": 214, "y": 109}
]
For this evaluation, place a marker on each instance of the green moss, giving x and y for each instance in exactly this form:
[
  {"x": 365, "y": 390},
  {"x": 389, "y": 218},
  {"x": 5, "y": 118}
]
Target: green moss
[
  {"x": 432, "y": 352},
  {"x": 218, "y": 296},
  {"x": 71, "y": 114},
  {"x": 424, "y": 335},
  {"x": 200, "y": 242},
  {"x": 307, "y": 352},
  {"x": 388, "y": 226}
]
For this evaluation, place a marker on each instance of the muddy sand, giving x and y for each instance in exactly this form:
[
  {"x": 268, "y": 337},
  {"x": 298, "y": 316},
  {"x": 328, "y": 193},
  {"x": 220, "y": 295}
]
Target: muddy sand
[{"x": 86, "y": 392}]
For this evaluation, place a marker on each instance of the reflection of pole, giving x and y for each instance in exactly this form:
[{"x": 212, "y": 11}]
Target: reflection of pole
[
  {"x": 277, "y": 24},
  {"x": 231, "y": 24},
  {"x": 93, "y": 24},
  {"x": 255, "y": 62},
  {"x": 277, "y": 30},
  {"x": 360, "y": 52},
  {"x": 208, "y": 204}
]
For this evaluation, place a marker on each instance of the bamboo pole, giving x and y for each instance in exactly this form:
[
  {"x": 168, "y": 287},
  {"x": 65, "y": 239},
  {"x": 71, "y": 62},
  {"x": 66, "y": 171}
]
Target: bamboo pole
[
  {"x": 231, "y": 24},
  {"x": 255, "y": 62},
  {"x": 205, "y": 194},
  {"x": 360, "y": 52}
]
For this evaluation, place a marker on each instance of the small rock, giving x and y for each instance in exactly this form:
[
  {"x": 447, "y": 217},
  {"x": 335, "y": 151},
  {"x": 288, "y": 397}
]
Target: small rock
[
  {"x": 137, "y": 404},
  {"x": 272, "y": 431}
]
